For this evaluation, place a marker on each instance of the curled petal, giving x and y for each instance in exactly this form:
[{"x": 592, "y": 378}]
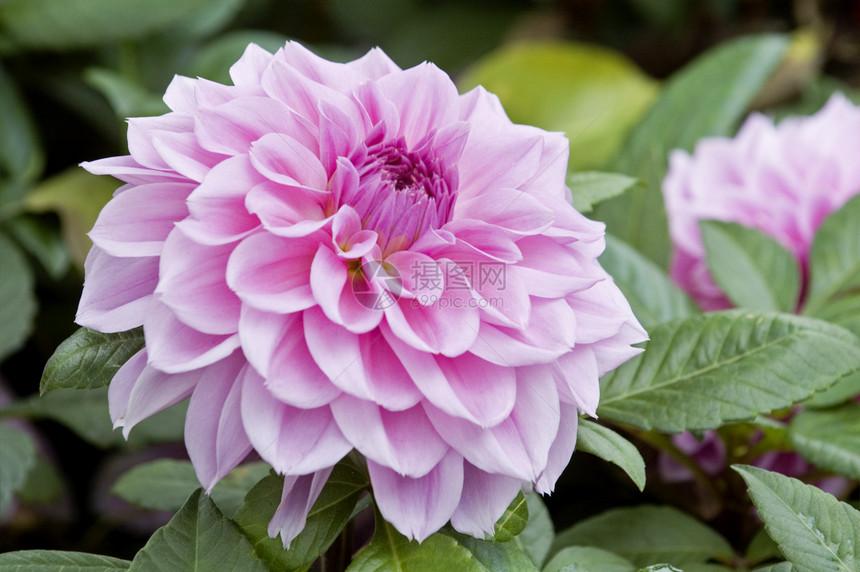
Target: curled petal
[
  {"x": 294, "y": 441},
  {"x": 418, "y": 507},
  {"x": 214, "y": 435},
  {"x": 298, "y": 497},
  {"x": 484, "y": 500}
]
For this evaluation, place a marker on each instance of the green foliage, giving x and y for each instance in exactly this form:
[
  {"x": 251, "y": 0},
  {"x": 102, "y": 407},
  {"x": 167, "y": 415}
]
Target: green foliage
[
  {"x": 198, "y": 537},
  {"x": 17, "y": 456},
  {"x": 71, "y": 24},
  {"x": 330, "y": 513},
  {"x": 513, "y": 521},
  {"x": 592, "y": 94},
  {"x": 59, "y": 561},
  {"x": 708, "y": 97},
  {"x": 815, "y": 532},
  {"x": 647, "y": 535},
  {"x": 834, "y": 292},
  {"x": 536, "y": 538},
  {"x": 653, "y": 297},
  {"x": 592, "y": 187},
  {"x": 89, "y": 359},
  {"x": 17, "y": 300},
  {"x": 390, "y": 550},
  {"x": 704, "y": 371},
  {"x": 829, "y": 438},
  {"x": 86, "y": 413},
  {"x": 588, "y": 558},
  {"x": 40, "y": 241},
  {"x": 495, "y": 556},
  {"x": 77, "y": 197},
  {"x": 165, "y": 484},
  {"x": 753, "y": 269},
  {"x": 610, "y": 446},
  {"x": 21, "y": 159}
]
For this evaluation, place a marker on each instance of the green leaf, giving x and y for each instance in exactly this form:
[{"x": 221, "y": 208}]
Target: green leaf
[
  {"x": 815, "y": 532},
  {"x": 610, "y": 446},
  {"x": 706, "y": 98},
  {"x": 198, "y": 537},
  {"x": 77, "y": 197},
  {"x": 17, "y": 300},
  {"x": 648, "y": 534},
  {"x": 326, "y": 519},
  {"x": 653, "y": 297},
  {"x": 592, "y": 187},
  {"x": 761, "y": 548},
  {"x": 127, "y": 98},
  {"x": 834, "y": 267},
  {"x": 495, "y": 556},
  {"x": 704, "y": 371},
  {"x": 21, "y": 159},
  {"x": 390, "y": 550},
  {"x": 41, "y": 241},
  {"x": 17, "y": 457},
  {"x": 43, "y": 484},
  {"x": 86, "y": 413},
  {"x": 844, "y": 389},
  {"x": 213, "y": 61},
  {"x": 513, "y": 521},
  {"x": 780, "y": 567},
  {"x": 660, "y": 568},
  {"x": 829, "y": 438},
  {"x": 59, "y": 561},
  {"x": 591, "y": 93},
  {"x": 89, "y": 359},
  {"x": 41, "y": 24},
  {"x": 165, "y": 484},
  {"x": 753, "y": 269},
  {"x": 590, "y": 558},
  {"x": 536, "y": 538}
]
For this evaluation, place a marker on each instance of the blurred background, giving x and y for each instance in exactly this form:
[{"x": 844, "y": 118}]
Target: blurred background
[{"x": 71, "y": 71}]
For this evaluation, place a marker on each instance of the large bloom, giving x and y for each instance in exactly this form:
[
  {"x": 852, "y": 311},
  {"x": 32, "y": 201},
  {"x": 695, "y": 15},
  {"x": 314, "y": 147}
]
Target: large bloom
[
  {"x": 780, "y": 179},
  {"x": 328, "y": 257}
]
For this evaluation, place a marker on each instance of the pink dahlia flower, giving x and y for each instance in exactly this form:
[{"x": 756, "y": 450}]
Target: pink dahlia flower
[
  {"x": 783, "y": 180},
  {"x": 328, "y": 257}
]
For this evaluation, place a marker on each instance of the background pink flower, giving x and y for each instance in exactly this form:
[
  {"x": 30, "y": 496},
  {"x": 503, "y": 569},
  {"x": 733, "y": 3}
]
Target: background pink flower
[
  {"x": 327, "y": 257},
  {"x": 783, "y": 180}
]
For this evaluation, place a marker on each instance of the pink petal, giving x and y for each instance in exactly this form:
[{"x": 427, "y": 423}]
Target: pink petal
[
  {"x": 192, "y": 284},
  {"x": 180, "y": 94},
  {"x": 333, "y": 290},
  {"x": 275, "y": 345},
  {"x": 174, "y": 347},
  {"x": 250, "y": 67},
  {"x": 287, "y": 210},
  {"x": 560, "y": 451},
  {"x": 577, "y": 376},
  {"x": 426, "y": 98},
  {"x": 136, "y": 222},
  {"x": 232, "y": 127},
  {"x": 117, "y": 291},
  {"x": 519, "y": 445},
  {"x": 302, "y": 94},
  {"x": 403, "y": 441},
  {"x": 183, "y": 154},
  {"x": 126, "y": 169},
  {"x": 294, "y": 441},
  {"x": 449, "y": 326},
  {"x": 287, "y": 161},
  {"x": 374, "y": 64},
  {"x": 554, "y": 270},
  {"x": 214, "y": 435},
  {"x": 418, "y": 507},
  {"x": 217, "y": 206},
  {"x": 141, "y": 132},
  {"x": 298, "y": 497},
  {"x": 481, "y": 170},
  {"x": 510, "y": 209},
  {"x": 342, "y": 77},
  {"x": 271, "y": 273},
  {"x": 464, "y": 387},
  {"x": 484, "y": 500},
  {"x": 362, "y": 365}
]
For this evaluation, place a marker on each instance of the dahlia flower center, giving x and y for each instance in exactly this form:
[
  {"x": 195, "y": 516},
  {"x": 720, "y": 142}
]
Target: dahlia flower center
[{"x": 403, "y": 193}]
